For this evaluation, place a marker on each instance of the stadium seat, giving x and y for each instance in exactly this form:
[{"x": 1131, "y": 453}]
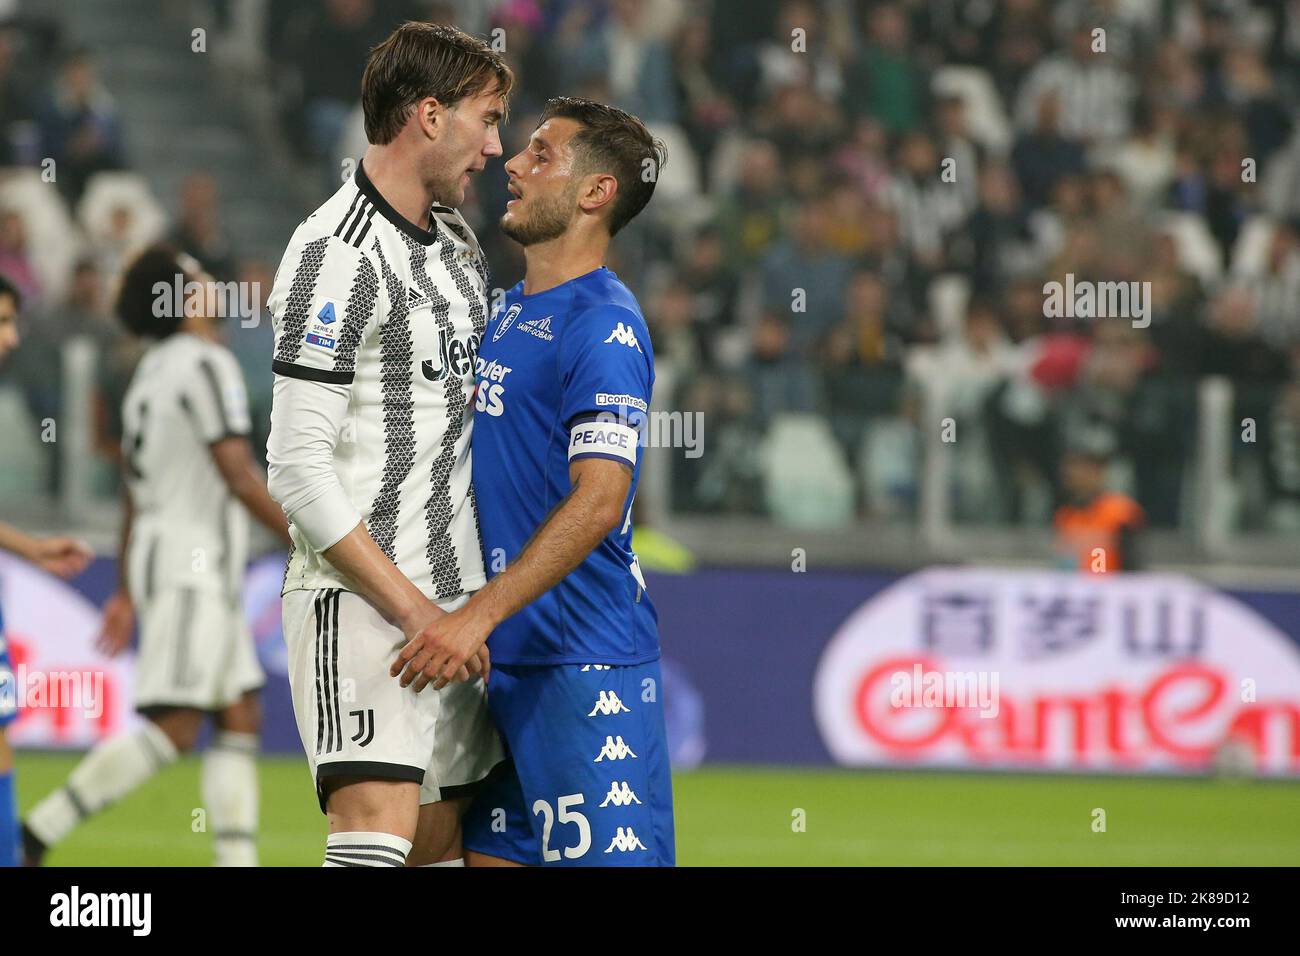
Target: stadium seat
[
  {"x": 948, "y": 295},
  {"x": 352, "y": 144},
  {"x": 805, "y": 480},
  {"x": 1198, "y": 252},
  {"x": 107, "y": 192},
  {"x": 53, "y": 243},
  {"x": 678, "y": 208},
  {"x": 986, "y": 120},
  {"x": 24, "y": 468},
  {"x": 887, "y": 466},
  {"x": 1249, "y": 258}
]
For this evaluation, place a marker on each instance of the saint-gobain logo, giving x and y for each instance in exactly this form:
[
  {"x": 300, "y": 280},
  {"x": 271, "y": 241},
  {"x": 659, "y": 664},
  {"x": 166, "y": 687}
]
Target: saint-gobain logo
[{"x": 507, "y": 320}]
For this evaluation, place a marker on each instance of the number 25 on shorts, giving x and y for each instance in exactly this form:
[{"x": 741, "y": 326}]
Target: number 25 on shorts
[{"x": 566, "y": 815}]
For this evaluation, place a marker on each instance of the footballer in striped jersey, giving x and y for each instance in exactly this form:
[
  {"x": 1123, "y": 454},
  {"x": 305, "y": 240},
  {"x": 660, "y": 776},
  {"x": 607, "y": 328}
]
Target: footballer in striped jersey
[
  {"x": 379, "y": 306},
  {"x": 192, "y": 483}
]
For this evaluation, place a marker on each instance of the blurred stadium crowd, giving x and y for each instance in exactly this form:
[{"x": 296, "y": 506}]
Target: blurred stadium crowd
[{"x": 811, "y": 279}]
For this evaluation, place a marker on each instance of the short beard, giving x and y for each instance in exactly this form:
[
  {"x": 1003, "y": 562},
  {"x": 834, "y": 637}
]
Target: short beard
[
  {"x": 445, "y": 192},
  {"x": 549, "y": 220}
]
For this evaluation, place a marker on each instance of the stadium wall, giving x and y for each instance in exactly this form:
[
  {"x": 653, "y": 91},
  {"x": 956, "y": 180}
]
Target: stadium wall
[{"x": 956, "y": 668}]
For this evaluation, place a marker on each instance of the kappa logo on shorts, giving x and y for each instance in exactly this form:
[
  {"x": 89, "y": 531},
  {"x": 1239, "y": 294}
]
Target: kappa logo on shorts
[
  {"x": 365, "y": 726},
  {"x": 614, "y": 749},
  {"x": 620, "y": 794},
  {"x": 609, "y": 704},
  {"x": 624, "y": 841}
]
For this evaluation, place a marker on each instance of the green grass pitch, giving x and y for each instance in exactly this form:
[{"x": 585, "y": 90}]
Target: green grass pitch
[{"x": 748, "y": 816}]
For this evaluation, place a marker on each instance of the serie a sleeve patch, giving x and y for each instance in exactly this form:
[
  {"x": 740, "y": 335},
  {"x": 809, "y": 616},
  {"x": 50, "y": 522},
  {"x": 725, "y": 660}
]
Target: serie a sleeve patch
[{"x": 323, "y": 329}]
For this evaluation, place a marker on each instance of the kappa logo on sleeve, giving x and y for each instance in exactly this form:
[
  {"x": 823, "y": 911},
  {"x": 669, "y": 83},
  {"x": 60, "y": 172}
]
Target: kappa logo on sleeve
[{"x": 624, "y": 335}]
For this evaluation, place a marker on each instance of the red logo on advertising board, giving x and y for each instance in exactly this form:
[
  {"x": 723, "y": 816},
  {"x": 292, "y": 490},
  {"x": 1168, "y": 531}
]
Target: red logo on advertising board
[{"x": 1138, "y": 672}]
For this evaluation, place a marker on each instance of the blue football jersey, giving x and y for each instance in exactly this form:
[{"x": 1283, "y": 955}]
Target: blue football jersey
[{"x": 562, "y": 375}]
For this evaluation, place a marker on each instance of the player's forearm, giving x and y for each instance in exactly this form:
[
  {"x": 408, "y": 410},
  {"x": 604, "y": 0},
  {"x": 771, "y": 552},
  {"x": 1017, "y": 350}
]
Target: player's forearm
[
  {"x": 244, "y": 479},
  {"x": 124, "y": 539},
  {"x": 301, "y": 477},
  {"x": 375, "y": 577},
  {"x": 561, "y": 543},
  {"x": 250, "y": 488},
  {"x": 17, "y": 542}
]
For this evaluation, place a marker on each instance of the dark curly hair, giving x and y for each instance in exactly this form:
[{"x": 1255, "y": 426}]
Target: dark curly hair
[
  {"x": 11, "y": 290},
  {"x": 146, "y": 303}
]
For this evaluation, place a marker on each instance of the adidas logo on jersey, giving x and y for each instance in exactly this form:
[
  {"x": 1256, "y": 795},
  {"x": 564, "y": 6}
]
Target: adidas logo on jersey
[
  {"x": 620, "y": 794},
  {"x": 608, "y": 704},
  {"x": 415, "y": 298},
  {"x": 624, "y": 841},
  {"x": 541, "y": 328},
  {"x": 614, "y": 749},
  {"x": 624, "y": 335}
]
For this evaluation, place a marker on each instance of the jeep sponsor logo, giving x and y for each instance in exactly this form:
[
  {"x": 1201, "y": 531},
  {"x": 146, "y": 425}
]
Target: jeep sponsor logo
[{"x": 457, "y": 356}]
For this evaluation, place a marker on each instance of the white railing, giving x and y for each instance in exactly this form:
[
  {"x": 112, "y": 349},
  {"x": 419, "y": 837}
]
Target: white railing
[
  {"x": 1214, "y": 495},
  {"x": 76, "y": 427}
]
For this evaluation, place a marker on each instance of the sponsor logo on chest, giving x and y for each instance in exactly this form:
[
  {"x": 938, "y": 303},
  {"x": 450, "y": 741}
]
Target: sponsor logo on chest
[
  {"x": 456, "y": 356},
  {"x": 539, "y": 328}
]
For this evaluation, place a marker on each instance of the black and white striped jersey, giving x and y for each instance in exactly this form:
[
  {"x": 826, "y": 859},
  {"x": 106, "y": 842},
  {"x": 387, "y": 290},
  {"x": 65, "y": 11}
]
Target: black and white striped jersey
[
  {"x": 188, "y": 531},
  {"x": 377, "y": 325}
]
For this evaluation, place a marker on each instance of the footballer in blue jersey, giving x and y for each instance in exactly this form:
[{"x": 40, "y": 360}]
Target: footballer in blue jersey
[
  {"x": 62, "y": 556},
  {"x": 565, "y": 372}
]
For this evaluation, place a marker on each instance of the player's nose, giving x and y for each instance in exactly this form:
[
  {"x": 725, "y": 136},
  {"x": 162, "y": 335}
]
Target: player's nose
[{"x": 493, "y": 146}]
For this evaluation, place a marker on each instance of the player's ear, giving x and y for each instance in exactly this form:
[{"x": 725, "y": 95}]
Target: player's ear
[
  {"x": 428, "y": 113},
  {"x": 599, "y": 191}
]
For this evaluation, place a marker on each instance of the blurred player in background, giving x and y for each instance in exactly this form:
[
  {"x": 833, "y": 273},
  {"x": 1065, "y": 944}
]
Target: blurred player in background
[
  {"x": 564, "y": 380},
  {"x": 379, "y": 305},
  {"x": 65, "y": 557},
  {"x": 191, "y": 483}
]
